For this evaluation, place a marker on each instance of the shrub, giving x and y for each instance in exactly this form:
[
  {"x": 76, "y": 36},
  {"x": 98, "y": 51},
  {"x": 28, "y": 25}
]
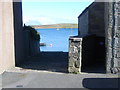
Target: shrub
[{"x": 33, "y": 33}]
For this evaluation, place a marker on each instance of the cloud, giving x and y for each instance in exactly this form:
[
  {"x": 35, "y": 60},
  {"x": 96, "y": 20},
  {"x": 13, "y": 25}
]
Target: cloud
[
  {"x": 45, "y": 20},
  {"x": 38, "y": 20}
]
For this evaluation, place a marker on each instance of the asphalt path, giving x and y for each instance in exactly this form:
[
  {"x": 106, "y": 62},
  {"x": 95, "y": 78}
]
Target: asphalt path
[{"x": 58, "y": 80}]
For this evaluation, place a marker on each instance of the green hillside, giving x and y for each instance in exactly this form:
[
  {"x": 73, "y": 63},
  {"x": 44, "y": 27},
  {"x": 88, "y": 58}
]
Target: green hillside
[{"x": 63, "y": 25}]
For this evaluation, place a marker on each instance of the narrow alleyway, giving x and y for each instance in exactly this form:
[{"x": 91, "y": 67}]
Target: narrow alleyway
[
  {"x": 56, "y": 62},
  {"x": 47, "y": 61}
]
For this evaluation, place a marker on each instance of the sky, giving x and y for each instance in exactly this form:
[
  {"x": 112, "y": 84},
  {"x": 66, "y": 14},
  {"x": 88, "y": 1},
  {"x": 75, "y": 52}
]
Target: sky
[{"x": 43, "y": 13}]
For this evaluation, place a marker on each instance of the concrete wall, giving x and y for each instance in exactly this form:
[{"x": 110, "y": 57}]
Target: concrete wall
[{"x": 6, "y": 36}]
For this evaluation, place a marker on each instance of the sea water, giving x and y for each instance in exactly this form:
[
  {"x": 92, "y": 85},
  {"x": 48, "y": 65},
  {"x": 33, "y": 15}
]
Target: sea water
[{"x": 56, "y": 39}]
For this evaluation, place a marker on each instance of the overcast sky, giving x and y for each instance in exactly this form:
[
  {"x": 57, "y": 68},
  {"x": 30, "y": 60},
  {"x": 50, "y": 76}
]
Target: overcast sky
[{"x": 42, "y": 13}]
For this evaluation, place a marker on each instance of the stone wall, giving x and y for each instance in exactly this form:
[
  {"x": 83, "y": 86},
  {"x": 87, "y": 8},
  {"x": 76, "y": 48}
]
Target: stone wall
[
  {"x": 6, "y": 36},
  {"x": 105, "y": 22},
  {"x": 112, "y": 18},
  {"x": 75, "y": 47}
]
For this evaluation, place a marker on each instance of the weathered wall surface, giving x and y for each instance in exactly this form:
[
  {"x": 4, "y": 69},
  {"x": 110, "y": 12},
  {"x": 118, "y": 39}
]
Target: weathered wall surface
[
  {"x": 6, "y": 36},
  {"x": 13, "y": 39},
  {"x": 32, "y": 47},
  {"x": 104, "y": 20},
  {"x": 112, "y": 12},
  {"x": 75, "y": 47},
  {"x": 24, "y": 45},
  {"x": 91, "y": 20},
  {"x": 96, "y": 19},
  {"x": 18, "y": 33},
  {"x": 83, "y": 23}
]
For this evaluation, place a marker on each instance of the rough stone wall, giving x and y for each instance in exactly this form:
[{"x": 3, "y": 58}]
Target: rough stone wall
[
  {"x": 75, "y": 47},
  {"x": 112, "y": 12},
  {"x": 111, "y": 19},
  {"x": 6, "y": 36}
]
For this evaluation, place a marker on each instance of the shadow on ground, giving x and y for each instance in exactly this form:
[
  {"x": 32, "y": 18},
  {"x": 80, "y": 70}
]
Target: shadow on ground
[
  {"x": 48, "y": 61},
  {"x": 92, "y": 83},
  {"x": 98, "y": 67},
  {"x": 56, "y": 62}
]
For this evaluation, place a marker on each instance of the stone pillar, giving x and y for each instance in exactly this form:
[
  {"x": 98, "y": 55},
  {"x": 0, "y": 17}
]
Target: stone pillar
[
  {"x": 112, "y": 17},
  {"x": 75, "y": 50}
]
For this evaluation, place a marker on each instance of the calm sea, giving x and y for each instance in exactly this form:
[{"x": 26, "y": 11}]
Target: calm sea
[{"x": 56, "y": 40}]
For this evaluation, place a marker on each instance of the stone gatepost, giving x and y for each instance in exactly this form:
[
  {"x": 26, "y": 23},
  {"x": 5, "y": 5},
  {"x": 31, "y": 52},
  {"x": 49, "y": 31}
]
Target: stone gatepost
[{"x": 75, "y": 48}]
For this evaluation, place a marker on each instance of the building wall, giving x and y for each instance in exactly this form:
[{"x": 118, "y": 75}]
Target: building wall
[
  {"x": 32, "y": 47},
  {"x": 24, "y": 45},
  {"x": 96, "y": 19},
  {"x": 83, "y": 23},
  {"x": 19, "y": 33},
  {"x": 112, "y": 18},
  {"x": 104, "y": 20},
  {"x": 6, "y": 36},
  {"x": 13, "y": 39},
  {"x": 91, "y": 20}
]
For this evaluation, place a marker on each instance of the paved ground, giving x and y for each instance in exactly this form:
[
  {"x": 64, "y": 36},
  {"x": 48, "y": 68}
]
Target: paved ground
[
  {"x": 50, "y": 61},
  {"x": 49, "y": 70},
  {"x": 39, "y": 79},
  {"x": 55, "y": 62}
]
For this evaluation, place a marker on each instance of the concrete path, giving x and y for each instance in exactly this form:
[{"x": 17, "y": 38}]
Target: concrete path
[
  {"x": 40, "y": 79},
  {"x": 49, "y": 70}
]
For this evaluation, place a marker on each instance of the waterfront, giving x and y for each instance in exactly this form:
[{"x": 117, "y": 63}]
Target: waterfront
[{"x": 56, "y": 39}]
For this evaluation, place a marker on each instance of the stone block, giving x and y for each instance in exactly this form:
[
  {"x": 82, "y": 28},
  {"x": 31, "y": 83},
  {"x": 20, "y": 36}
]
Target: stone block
[
  {"x": 117, "y": 42},
  {"x": 117, "y": 34},
  {"x": 73, "y": 70},
  {"x": 117, "y": 53},
  {"x": 116, "y": 62},
  {"x": 109, "y": 52}
]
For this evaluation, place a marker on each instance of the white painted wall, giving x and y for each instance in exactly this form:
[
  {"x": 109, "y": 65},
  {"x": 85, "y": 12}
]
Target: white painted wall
[{"x": 7, "y": 58}]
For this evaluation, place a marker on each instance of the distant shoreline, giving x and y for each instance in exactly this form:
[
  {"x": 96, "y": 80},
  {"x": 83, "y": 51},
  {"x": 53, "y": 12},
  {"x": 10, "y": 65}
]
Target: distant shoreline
[{"x": 56, "y": 26}]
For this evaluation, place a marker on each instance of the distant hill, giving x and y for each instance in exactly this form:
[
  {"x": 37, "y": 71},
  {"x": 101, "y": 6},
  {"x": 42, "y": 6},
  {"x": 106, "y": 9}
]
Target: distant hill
[{"x": 63, "y": 25}]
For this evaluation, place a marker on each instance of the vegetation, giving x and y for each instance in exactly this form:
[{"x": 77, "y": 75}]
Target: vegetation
[{"x": 33, "y": 33}]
